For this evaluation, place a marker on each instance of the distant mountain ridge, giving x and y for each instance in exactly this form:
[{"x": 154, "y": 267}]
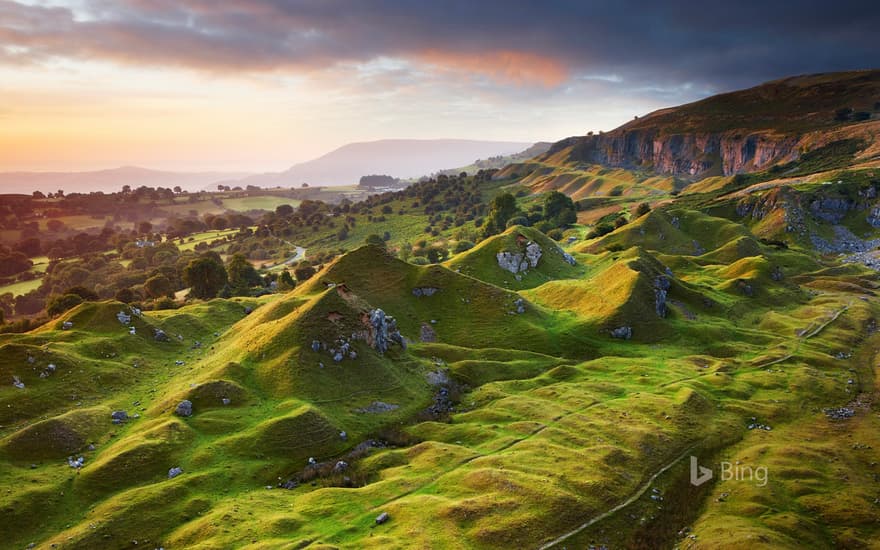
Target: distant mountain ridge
[
  {"x": 400, "y": 158},
  {"x": 108, "y": 180}
]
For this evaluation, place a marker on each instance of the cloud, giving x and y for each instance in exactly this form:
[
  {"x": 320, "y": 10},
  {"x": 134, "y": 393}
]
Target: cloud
[{"x": 713, "y": 44}]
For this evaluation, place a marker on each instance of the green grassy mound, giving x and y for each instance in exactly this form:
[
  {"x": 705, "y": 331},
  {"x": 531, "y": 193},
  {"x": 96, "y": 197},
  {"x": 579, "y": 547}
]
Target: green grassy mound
[
  {"x": 481, "y": 262},
  {"x": 57, "y": 437}
]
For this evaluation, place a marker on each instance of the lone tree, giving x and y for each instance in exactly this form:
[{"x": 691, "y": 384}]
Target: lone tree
[
  {"x": 158, "y": 286},
  {"x": 242, "y": 275},
  {"x": 559, "y": 209},
  {"x": 206, "y": 275},
  {"x": 503, "y": 208}
]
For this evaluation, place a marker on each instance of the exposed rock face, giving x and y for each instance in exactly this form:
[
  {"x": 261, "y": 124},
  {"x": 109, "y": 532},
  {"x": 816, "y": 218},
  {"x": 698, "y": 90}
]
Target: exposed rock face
[
  {"x": 624, "y": 333},
  {"x": 184, "y": 408},
  {"x": 519, "y": 262},
  {"x": 661, "y": 288},
  {"x": 383, "y": 331},
  {"x": 689, "y": 154}
]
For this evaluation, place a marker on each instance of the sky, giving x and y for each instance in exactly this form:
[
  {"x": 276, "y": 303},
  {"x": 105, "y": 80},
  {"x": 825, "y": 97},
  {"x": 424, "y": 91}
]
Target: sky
[{"x": 258, "y": 85}]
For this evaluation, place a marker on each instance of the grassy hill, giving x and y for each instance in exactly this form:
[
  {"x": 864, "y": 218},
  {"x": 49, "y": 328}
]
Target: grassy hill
[{"x": 533, "y": 392}]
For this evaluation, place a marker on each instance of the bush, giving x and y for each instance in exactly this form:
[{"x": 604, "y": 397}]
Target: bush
[
  {"x": 462, "y": 246},
  {"x": 59, "y": 304},
  {"x": 555, "y": 234},
  {"x": 519, "y": 220},
  {"x": 643, "y": 209},
  {"x": 602, "y": 229}
]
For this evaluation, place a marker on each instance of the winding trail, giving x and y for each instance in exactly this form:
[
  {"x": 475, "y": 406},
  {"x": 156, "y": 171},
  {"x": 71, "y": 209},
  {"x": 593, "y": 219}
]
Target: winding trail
[
  {"x": 635, "y": 496},
  {"x": 804, "y": 337}
]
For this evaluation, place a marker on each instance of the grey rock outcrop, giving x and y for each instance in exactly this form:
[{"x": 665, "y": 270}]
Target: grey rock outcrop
[
  {"x": 623, "y": 333},
  {"x": 174, "y": 472},
  {"x": 118, "y": 417},
  {"x": 661, "y": 288},
  {"x": 520, "y": 262},
  {"x": 384, "y": 331},
  {"x": 424, "y": 291},
  {"x": 184, "y": 408}
]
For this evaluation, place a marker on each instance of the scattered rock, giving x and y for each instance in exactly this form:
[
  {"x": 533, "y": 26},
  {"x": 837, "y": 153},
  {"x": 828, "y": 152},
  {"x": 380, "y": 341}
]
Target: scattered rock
[
  {"x": 316, "y": 346},
  {"x": 384, "y": 331},
  {"x": 66, "y": 325},
  {"x": 427, "y": 333},
  {"x": 248, "y": 310},
  {"x": 225, "y": 401},
  {"x": 520, "y": 305},
  {"x": 159, "y": 335},
  {"x": 16, "y": 381},
  {"x": 839, "y": 413},
  {"x": 340, "y": 466},
  {"x": 382, "y": 518},
  {"x": 123, "y": 317},
  {"x": 289, "y": 484},
  {"x": 624, "y": 332},
  {"x": 378, "y": 407},
  {"x": 119, "y": 417},
  {"x": 76, "y": 463},
  {"x": 776, "y": 273},
  {"x": 174, "y": 472},
  {"x": 184, "y": 408},
  {"x": 661, "y": 288},
  {"x": 569, "y": 259},
  {"x": 343, "y": 436},
  {"x": 424, "y": 291}
]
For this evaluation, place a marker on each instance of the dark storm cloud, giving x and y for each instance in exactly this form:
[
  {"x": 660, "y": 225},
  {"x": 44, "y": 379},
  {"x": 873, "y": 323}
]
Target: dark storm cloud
[{"x": 716, "y": 44}]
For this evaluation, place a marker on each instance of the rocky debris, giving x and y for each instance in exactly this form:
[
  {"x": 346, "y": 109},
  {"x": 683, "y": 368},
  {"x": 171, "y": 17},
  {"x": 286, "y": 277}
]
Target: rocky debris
[
  {"x": 179, "y": 362},
  {"x": 427, "y": 333},
  {"x": 439, "y": 377},
  {"x": 675, "y": 222},
  {"x": 312, "y": 461},
  {"x": 16, "y": 381},
  {"x": 384, "y": 331},
  {"x": 159, "y": 335},
  {"x": 289, "y": 484},
  {"x": 839, "y": 413},
  {"x": 66, "y": 325},
  {"x": 119, "y": 417},
  {"x": 123, "y": 317},
  {"x": 226, "y": 401},
  {"x": 755, "y": 425},
  {"x": 624, "y": 332},
  {"x": 174, "y": 472},
  {"x": 382, "y": 518},
  {"x": 316, "y": 346},
  {"x": 48, "y": 371},
  {"x": 343, "y": 436},
  {"x": 248, "y": 310},
  {"x": 830, "y": 209},
  {"x": 76, "y": 463},
  {"x": 184, "y": 408},
  {"x": 698, "y": 250},
  {"x": 424, "y": 291},
  {"x": 340, "y": 466},
  {"x": 744, "y": 287},
  {"x": 132, "y": 331},
  {"x": 661, "y": 288},
  {"x": 569, "y": 259},
  {"x": 378, "y": 407},
  {"x": 442, "y": 404},
  {"x": 776, "y": 273},
  {"x": 533, "y": 253},
  {"x": 520, "y": 305}
]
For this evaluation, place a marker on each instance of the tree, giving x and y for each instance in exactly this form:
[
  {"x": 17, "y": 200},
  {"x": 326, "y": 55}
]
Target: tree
[
  {"x": 58, "y": 304},
  {"x": 177, "y": 189},
  {"x": 559, "y": 209},
  {"x": 38, "y": 195},
  {"x": 158, "y": 286},
  {"x": 304, "y": 272},
  {"x": 405, "y": 251},
  {"x": 502, "y": 208},
  {"x": 437, "y": 254},
  {"x": 55, "y": 225},
  {"x": 86, "y": 294},
  {"x": 285, "y": 281},
  {"x": 145, "y": 227},
  {"x": 205, "y": 275},
  {"x": 284, "y": 210},
  {"x": 375, "y": 240},
  {"x": 242, "y": 275},
  {"x": 643, "y": 209}
]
